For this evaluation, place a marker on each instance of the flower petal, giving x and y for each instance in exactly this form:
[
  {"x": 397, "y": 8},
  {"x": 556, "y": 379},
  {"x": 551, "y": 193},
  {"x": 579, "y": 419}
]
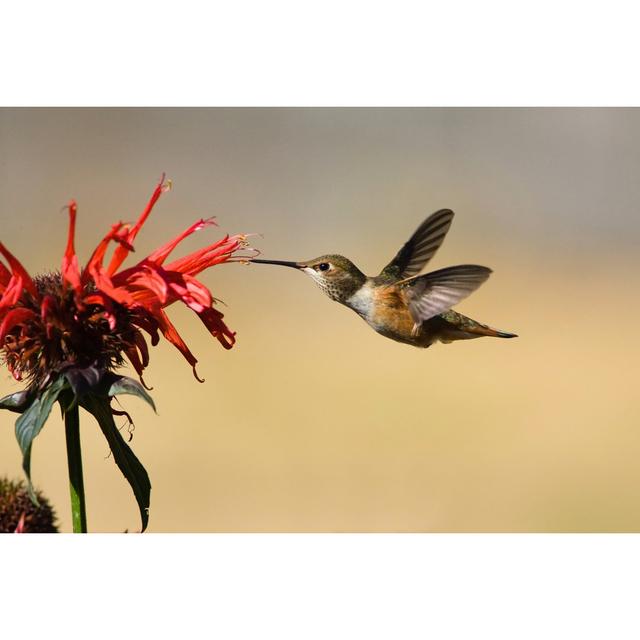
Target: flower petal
[
  {"x": 20, "y": 315},
  {"x": 187, "y": 289},
  {"x": 121, "y": 252},
  {"x": 47, "y": 305},
  {"x": 198, "y": 296},
  {"x": 5, "y": 276},
  {"x": 150, "y": 285},
  {"x": 201, "y": 259},
  {"x": 145, "y": 282},
  {"x": 140, "y": 342},
  {"x": 161, "y": 253},
  {"x": 117, "y": 233},
  {"x": 105, "y": 302},
  {"x": 172, "y": 335},
  {"x": 134, "y": 359},
  {"x": 11, "y": 294},
  {"x": 212, "y": 319},
  {"x": 148, "y": 323},
  {"x": 70, "y": 268},
  {"x": 19, "y": 271},
  {"x": 104, "y": 284}
]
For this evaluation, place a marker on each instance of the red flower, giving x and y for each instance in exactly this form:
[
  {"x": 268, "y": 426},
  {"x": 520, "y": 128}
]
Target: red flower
[{"x": 96, "y": 315}]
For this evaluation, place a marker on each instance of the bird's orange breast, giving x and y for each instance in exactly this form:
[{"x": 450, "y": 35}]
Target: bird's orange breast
[{"x": 390, "y": 314}]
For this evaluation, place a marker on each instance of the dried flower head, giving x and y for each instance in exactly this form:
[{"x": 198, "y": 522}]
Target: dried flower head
[{"x": 18, "y": 514}]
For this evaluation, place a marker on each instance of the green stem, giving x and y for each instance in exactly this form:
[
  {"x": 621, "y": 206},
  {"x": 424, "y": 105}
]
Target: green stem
[{"x": 74, "y": 459}]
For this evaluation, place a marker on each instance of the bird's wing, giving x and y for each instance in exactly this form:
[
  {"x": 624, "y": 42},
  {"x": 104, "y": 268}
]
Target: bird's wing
[
  {"x": 421, "y": 247},
  {"x": 438, "y": 291}
]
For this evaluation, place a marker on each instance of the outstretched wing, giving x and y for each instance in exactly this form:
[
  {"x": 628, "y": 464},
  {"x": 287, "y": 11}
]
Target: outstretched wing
[
  {"x": 438, "y": 291},
  {"x": 421, "y": 247}
]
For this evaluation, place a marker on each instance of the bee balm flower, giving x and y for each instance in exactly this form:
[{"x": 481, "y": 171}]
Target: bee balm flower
[
  {"x": 98, "y": 315},
  {"x": 65, "y": 332}
]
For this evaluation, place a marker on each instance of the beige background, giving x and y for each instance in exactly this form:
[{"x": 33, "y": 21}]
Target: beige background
[{"x": 313, "y": 422}]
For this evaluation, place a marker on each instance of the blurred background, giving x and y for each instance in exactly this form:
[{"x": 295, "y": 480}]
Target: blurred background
[{"x": 313, "y": 422}]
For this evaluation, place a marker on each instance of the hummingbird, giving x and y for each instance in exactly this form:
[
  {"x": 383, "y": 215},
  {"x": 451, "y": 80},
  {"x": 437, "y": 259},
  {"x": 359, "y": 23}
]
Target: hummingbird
[{"x": 401, "y": 303}]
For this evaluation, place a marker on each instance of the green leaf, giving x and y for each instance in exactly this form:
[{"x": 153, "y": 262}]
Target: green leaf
[
  {"x": 124, "y": 457},
  {"x": 119, "y": 385},
  {"x": 29, "y": 424},
  {"x": 17, "y": 402},
  {"x": 83, "y": 380}
]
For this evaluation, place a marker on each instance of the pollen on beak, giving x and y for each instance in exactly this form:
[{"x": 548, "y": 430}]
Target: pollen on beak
[{"x": 283, "y": 263}]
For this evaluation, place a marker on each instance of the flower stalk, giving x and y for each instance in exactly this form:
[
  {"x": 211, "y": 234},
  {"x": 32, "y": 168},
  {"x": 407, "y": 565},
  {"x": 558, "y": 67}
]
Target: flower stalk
[{"x": 74, "y": 461}]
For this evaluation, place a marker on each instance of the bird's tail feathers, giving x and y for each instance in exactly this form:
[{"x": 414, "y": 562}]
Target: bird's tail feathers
[
  {"x": 484, "y": 330},
  {"x": 473, "y": 327}
]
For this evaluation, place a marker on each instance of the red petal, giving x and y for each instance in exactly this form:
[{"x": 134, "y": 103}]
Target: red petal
[
  {"x": 104, "y": 284},
  {"x": 201, "y": 259},
  {"x": 146, "y": 283},
  {"x": 19, "y": 271},
  {"x": 12, "y": 293},
  {"x": 134, "y": 359},
  {"x": 106, "y": 303},
  {"x": 46, "y": 306},
  {"x": 99, "y": 252},
  {"x": 5, "y": 276},
  {"x": 187, "y": 289},
  {"x": 198, "y": 295},
  {"x": 121, "y": 252},
  {"x": 212, "y": 319},
  {"x": 139, "y": 340},
  {"x": 147, "y": 322},
  {"x": 172, "y": 335},
  {"x": 139, "y": 354},
  {"x": 70, "y": 268},
  {"x": 13, "y": 318},
  {"x": 161, "y": 253}
]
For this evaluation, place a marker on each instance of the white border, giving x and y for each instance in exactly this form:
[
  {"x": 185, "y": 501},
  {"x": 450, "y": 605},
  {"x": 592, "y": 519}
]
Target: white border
[
  {"x": 321, "y": 586},
  {"x": 329, "y": 53}
]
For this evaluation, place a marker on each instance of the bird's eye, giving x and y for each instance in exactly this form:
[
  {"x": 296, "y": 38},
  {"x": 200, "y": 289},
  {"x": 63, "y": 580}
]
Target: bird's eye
[{"x": 324, "y": 266}]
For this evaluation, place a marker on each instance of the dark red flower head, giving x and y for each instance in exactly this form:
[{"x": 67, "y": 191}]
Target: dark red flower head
[{"x": 96, "y": 315}]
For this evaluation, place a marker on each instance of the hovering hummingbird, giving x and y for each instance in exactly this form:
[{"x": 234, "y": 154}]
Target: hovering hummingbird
[{"x": 399, "y": 303}]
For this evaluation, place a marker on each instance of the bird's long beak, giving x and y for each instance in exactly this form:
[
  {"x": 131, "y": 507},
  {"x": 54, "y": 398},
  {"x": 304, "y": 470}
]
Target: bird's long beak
[{"x": 283, "y": 263}]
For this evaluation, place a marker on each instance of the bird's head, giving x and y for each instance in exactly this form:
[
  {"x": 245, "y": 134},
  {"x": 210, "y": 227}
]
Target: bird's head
[{"x": 336, "y": 275}]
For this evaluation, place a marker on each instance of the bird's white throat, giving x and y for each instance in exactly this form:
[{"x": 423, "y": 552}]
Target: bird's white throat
[{"x": 362, "y": 301}]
